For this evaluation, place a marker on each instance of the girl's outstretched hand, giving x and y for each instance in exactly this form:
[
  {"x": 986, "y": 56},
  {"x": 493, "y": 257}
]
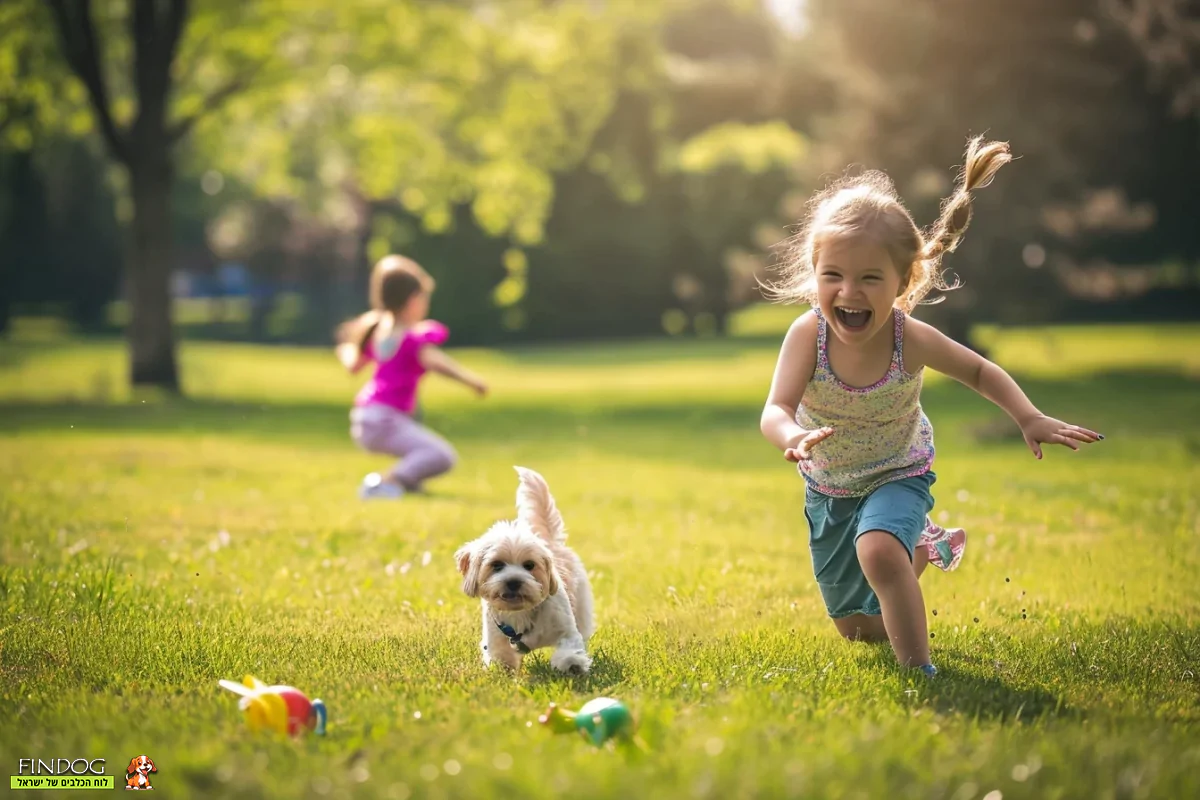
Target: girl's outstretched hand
[
  {"x": 1047, "y": 430},
  {"x": 803, "y": 449}
]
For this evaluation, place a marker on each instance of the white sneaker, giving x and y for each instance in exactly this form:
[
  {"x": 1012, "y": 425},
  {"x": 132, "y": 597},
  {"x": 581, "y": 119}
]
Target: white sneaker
[{"x": 374, "y": 487}]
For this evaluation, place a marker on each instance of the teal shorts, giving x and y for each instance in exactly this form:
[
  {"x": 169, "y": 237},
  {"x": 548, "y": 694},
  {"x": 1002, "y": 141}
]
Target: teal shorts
[{"x": 835, "y": 523}]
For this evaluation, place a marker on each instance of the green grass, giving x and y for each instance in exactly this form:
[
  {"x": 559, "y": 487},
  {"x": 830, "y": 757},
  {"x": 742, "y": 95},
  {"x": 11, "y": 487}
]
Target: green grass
[{"x": 1068, "y": 641}]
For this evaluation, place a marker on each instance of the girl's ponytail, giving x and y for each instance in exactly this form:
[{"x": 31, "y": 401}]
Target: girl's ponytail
[
  {"x": 983, "y": 161},
  {"x": 394, "y": 281},
  {"x": 359, "y": 330},
  {"x": 867, "y": 205}
]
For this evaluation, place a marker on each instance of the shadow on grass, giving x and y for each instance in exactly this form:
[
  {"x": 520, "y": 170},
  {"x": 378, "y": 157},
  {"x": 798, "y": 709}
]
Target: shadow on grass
[
  {"x": 1120, "y": 666},
  {"x": 540, "y": 421},
  {"x": 955, "y": 690},
  {"x": 968, "y": 686},
  {"x": 605, "y": 674},
  {"x": 639, "y": 351},
  {"x": 1163, "y": 400}
]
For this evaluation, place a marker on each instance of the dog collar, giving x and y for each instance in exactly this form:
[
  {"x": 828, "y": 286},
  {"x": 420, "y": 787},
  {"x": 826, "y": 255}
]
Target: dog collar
[{"x": 514, "y": 638}]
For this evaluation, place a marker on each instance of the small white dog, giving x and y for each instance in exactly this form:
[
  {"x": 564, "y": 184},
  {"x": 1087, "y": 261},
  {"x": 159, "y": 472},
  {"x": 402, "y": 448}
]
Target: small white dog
[{"x": 535, "y": 592}]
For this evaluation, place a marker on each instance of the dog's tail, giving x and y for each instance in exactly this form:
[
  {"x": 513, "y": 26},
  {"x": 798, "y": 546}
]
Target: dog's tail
[{"x": 535, "y": 507}]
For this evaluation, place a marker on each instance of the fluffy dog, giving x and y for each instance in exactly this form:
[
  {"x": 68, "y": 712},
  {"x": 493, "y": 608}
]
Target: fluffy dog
[{"x": 534, "y": 590}]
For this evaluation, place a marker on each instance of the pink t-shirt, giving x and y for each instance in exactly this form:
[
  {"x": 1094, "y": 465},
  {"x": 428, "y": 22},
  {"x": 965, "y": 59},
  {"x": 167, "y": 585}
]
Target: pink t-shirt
[{"x": 395, "y": 381}]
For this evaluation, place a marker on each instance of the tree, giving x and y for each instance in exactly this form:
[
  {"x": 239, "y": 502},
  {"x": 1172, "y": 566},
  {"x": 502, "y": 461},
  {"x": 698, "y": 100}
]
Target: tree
[
  {"x": 429, "y": 105},
  {"x": 143, "y": 140},
  {"x": 144, "y": 148},
  {"x": 427, "y": 109},
  {"x": 393, "y": 124}
]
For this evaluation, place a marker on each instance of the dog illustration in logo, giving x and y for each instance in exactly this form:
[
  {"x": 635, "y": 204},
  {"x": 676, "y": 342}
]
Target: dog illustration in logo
[{"x": 137, "y": 774}]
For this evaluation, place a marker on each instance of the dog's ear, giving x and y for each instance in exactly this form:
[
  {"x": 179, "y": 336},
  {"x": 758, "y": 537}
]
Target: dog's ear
[
  {"x": 132, "y": 768},
  {"x": 552, "y": 582},
  {"x": 150, "y": 761},
  {"x": 463, "y": 557},
  {"x": 468, "y": 565}
]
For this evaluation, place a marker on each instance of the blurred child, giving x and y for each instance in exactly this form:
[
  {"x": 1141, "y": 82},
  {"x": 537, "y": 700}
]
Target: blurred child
[
  {"x": 845, "y": 403},
  {"x": 396, "y": 337}
]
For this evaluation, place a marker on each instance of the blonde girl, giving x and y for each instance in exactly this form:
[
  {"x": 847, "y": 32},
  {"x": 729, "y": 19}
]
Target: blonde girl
[{"x": 844, "y": 403}]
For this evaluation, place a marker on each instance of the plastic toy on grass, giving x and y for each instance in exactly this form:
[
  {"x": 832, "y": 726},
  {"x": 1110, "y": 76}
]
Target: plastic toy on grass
[
  {"x": 598, "y": 721},
  {"x": 282, "y": 709}
]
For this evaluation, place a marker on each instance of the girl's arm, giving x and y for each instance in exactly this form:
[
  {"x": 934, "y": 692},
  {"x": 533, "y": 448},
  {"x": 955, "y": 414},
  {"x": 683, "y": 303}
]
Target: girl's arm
[
  {"x": 351, "y": 357},
  {"x": 435, "y": 360},
  {"x": 927, "y": 346},
  {"x": 793, "y": 371}
]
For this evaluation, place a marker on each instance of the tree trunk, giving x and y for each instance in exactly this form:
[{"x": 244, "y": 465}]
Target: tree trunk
[
  {"x": 150, "y": 333},
  {"x": 145, "y": 149}
]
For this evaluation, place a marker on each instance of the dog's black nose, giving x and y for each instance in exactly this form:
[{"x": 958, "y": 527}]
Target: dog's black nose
[{"x": 513, "y": 585}]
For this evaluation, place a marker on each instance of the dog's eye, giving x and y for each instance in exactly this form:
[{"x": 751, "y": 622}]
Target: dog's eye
[
  {"x": 529, "y": 565},
  {"x": 497, "y": 566}
]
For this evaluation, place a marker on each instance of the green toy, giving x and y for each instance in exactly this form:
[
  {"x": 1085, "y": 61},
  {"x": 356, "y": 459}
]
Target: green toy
[{"x": 598, "y": 721}]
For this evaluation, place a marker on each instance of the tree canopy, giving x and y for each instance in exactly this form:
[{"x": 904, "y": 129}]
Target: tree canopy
[{"x": 578, "y": 168}]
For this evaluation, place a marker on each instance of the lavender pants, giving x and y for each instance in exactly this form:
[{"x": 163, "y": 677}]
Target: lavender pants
[{"x": 423, "y": 454}]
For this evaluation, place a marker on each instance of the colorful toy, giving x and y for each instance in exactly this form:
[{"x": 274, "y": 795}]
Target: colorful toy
[
  {"x": 598, "y": 721},
  {"x": 282, "y": 709}
]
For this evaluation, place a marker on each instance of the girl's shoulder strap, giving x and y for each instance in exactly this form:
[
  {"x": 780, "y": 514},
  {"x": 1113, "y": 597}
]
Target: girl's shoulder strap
[
  {"x": 898, "y": 317},
  {"x": 822, "y": 340},
  {"x": 386, "y": 347}
]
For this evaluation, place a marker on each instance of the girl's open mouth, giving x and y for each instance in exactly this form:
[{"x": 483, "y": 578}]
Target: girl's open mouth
[{"x": 853, "y": 317}]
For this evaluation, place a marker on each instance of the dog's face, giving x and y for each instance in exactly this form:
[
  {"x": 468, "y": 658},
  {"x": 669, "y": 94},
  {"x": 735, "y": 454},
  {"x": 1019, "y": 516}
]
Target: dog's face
[
  {"x": 142, "y": 765},
  {"x": 509, "y": 567}
]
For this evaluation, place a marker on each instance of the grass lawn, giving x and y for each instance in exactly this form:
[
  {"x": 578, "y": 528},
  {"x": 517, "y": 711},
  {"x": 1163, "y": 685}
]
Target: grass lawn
[{"x": 152, "y": 547}]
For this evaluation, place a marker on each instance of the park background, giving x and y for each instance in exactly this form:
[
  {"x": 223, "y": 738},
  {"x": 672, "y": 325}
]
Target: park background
[{"x": 192, "y": 195}]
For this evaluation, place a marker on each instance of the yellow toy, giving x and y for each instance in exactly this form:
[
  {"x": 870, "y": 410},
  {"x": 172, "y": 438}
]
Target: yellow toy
[{"x": 282, "y": 709}]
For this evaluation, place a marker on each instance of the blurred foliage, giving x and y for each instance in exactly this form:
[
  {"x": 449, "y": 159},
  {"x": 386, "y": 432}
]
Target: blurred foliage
[
  {"x": 433, "y": 105},
  {"x": 573, "y": 169},
  {"x": 754, "y": 149},
  {"x": 1168, "y": 34},
  {"x": 1103, "y": 167}
]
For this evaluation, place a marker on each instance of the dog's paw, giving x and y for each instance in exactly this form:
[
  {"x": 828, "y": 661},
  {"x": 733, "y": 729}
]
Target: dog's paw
[
  {"x": 571, "y": 662},
  {"x": 507, "y": 665}
]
